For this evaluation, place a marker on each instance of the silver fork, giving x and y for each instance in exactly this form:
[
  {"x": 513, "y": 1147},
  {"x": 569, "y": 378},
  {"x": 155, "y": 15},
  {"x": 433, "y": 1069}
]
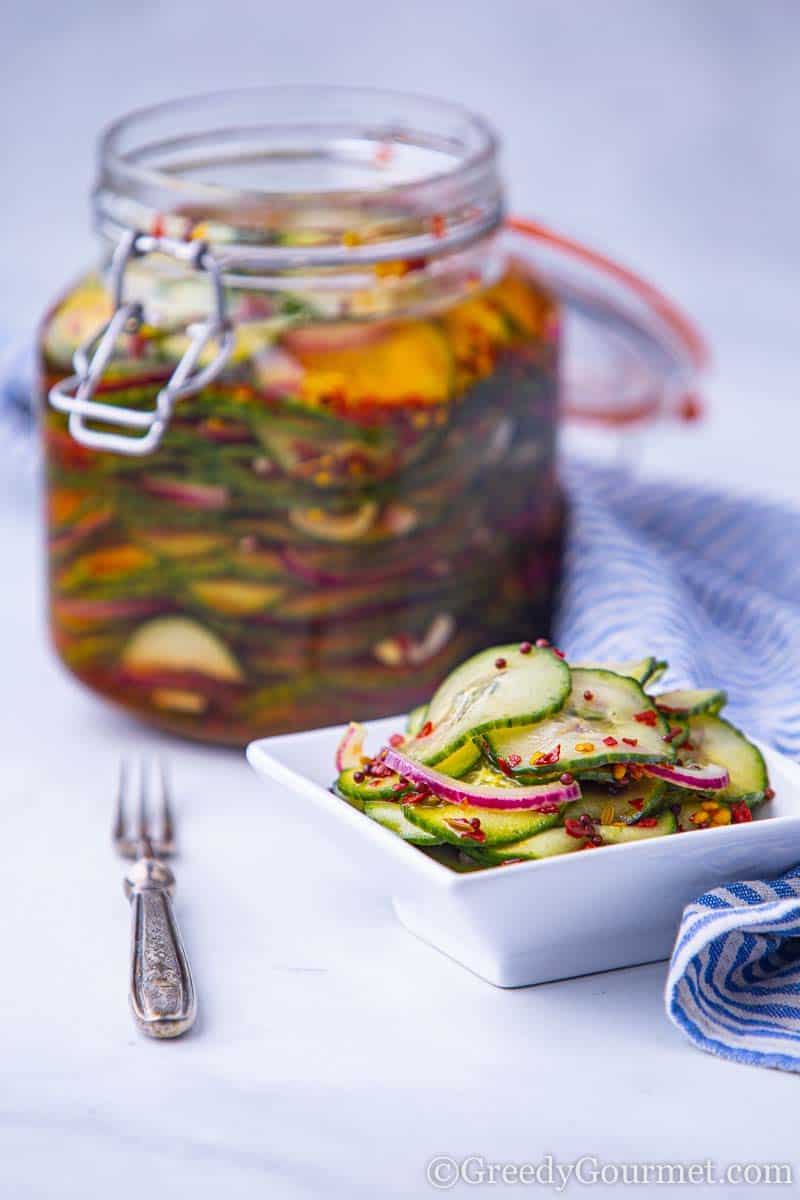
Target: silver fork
[{"x": 162, "y": 994}]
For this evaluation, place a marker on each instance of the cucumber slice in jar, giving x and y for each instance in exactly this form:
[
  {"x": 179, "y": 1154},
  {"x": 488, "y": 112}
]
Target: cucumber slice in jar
[
  {"x": 689, "y": 702},
  {"x": 390, "y": 814},
  {"x": 499, "y": 687},
  {"x": 455, "y": 823},
  {"x": 714, "y": 740},
  {"x": 607, "y": 719}
]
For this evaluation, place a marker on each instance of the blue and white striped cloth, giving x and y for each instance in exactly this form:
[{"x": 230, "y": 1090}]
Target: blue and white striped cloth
[
  {"x": 734, "y": 980},
  {"x": 708, "y": 581}
]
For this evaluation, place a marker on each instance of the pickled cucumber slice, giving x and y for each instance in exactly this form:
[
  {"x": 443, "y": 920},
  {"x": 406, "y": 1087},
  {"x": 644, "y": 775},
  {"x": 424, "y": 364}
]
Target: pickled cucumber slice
[
  {"x": 641, "y": 799},
  {"x": 335, "y": 527},
  {"x": 389, "y": 787},
  {"x": 450, "y": 823},
  {"x": 714, "y": 740},
  {"x": 180, "y": 644},
  {"x": 546, "y": 844},
  {"x": 416, "y": 719},
  {"x": 702, "y": 813},
  {"x": 643, "y": 670},
  {"x": 607, "y": 719},
  {"x": 557, "y": 841},
  {"x": 614, "y": 835},
  {"x": 463, "y": 760},
  {"x": 481, "y": 695},
  {"x": 690, "y": 702},
  {"x": 235, "y": 597},
  {"x": 391, "y": 816},
  {"x": 183, "y": 543}
]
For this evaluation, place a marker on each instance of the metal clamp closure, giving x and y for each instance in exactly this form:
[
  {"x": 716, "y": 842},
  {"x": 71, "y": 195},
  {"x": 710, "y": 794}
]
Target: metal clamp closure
[{"x": 75, "y": 395}]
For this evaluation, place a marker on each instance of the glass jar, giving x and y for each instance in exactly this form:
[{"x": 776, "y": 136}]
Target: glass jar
[
  {"x": 363, "y": 491},
  {"x": 300, "y": 444}
]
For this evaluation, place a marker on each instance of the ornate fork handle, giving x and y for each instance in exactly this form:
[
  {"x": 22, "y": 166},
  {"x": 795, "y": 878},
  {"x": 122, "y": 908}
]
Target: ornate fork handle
[{"x": 161, "y": 989}]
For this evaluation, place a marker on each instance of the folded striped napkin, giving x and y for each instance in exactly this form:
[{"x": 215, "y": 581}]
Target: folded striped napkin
[
  {"x": 734, "y": 980},
  {"x": 706, "y": 581}
]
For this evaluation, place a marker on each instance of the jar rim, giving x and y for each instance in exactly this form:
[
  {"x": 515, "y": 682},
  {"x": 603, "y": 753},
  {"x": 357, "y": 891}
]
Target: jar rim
[
  {"x": 419, "y": 175},
  {"x": 480, "y": 150}
]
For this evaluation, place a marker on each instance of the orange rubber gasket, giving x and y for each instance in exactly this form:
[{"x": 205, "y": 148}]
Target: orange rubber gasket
[{"x": 681, "y": 326}]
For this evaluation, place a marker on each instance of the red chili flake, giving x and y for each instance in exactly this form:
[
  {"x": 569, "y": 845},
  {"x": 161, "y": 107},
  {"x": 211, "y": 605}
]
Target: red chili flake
[
  {"x": 560, "y": 653},
  {"x": 549, "y": 806},
  {"x": 673, "y": 733},
  {"x": 638, "y": 804},
  {"x": 690, "y": 407},
  {"x": 647, "y": 716},
  {"x": 687, "y": 745},
  {"x": 426, "y": 730},
  {"x": 396, "y": 739},
  {"x": 588, "y": 695},
  {"x": 400, "y": 786},
  {"x": 358, "y": 777},
  {"x": 575, "y": 828},
  {"x": 741, "y": 813},
  {"x": 438, "y": 225},
  {"x": 631, "y": 741},
  {"x": 547, "y": 760},
  {"x": 525, "y": 648},
  {"x": 467, "y": 828},
  {"x": 769, "y": 794},
  {"x": 610, "y": 741},
  {"x": 541, "y": 642},
  {"x": 503, "y": 765},
  {"x": 157, "y": 226},
  {"x": 415, "y": 797},
  {"x": 647, "y": 822},
  {"x": 636, "y": 772},
  {"x": 567, "y": 778},
  {"x": 514, "y": 760},
  {"x": 500, "y": 663}
]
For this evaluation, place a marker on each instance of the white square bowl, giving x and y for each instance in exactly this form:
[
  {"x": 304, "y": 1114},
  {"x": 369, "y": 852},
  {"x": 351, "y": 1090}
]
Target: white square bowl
[{"x": 551, "y": 919}]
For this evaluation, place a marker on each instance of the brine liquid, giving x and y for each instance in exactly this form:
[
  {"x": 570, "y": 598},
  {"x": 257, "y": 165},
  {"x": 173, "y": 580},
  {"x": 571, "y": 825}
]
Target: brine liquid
[{"x": 325, "y": 531}]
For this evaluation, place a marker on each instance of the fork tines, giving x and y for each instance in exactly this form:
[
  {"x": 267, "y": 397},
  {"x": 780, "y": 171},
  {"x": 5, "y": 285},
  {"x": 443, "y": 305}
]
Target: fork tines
[{"x": 142, "y": 841}]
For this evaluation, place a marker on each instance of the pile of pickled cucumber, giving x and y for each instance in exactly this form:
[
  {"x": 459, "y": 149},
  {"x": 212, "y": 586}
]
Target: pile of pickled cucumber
[
  {"x": 520, "y": 755},
  {"x": 338, "y": 519}
]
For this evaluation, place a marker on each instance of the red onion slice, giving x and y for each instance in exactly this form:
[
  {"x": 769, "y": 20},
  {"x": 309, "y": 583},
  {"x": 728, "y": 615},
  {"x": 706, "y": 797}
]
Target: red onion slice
[
  {"x": 541, "y": 795},
  {"x": 709, "y": 778}
]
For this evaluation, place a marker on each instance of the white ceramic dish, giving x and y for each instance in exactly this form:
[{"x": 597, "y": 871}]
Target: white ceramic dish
[{"x": 551, "y": 919}]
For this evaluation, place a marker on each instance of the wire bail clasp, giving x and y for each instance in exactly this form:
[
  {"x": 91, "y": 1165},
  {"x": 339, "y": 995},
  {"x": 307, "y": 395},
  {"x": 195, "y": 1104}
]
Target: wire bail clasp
[{"x": 75, "y": 395}]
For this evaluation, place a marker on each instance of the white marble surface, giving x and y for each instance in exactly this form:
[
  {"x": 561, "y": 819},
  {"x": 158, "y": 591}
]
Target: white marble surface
[{"x": 334, "y": 1054}]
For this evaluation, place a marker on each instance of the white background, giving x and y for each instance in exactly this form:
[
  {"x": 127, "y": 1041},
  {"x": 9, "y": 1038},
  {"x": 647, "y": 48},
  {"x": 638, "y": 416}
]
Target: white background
[
  {"x": 663, "y": 132},
  {"x": 335, "y": 1054}
]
